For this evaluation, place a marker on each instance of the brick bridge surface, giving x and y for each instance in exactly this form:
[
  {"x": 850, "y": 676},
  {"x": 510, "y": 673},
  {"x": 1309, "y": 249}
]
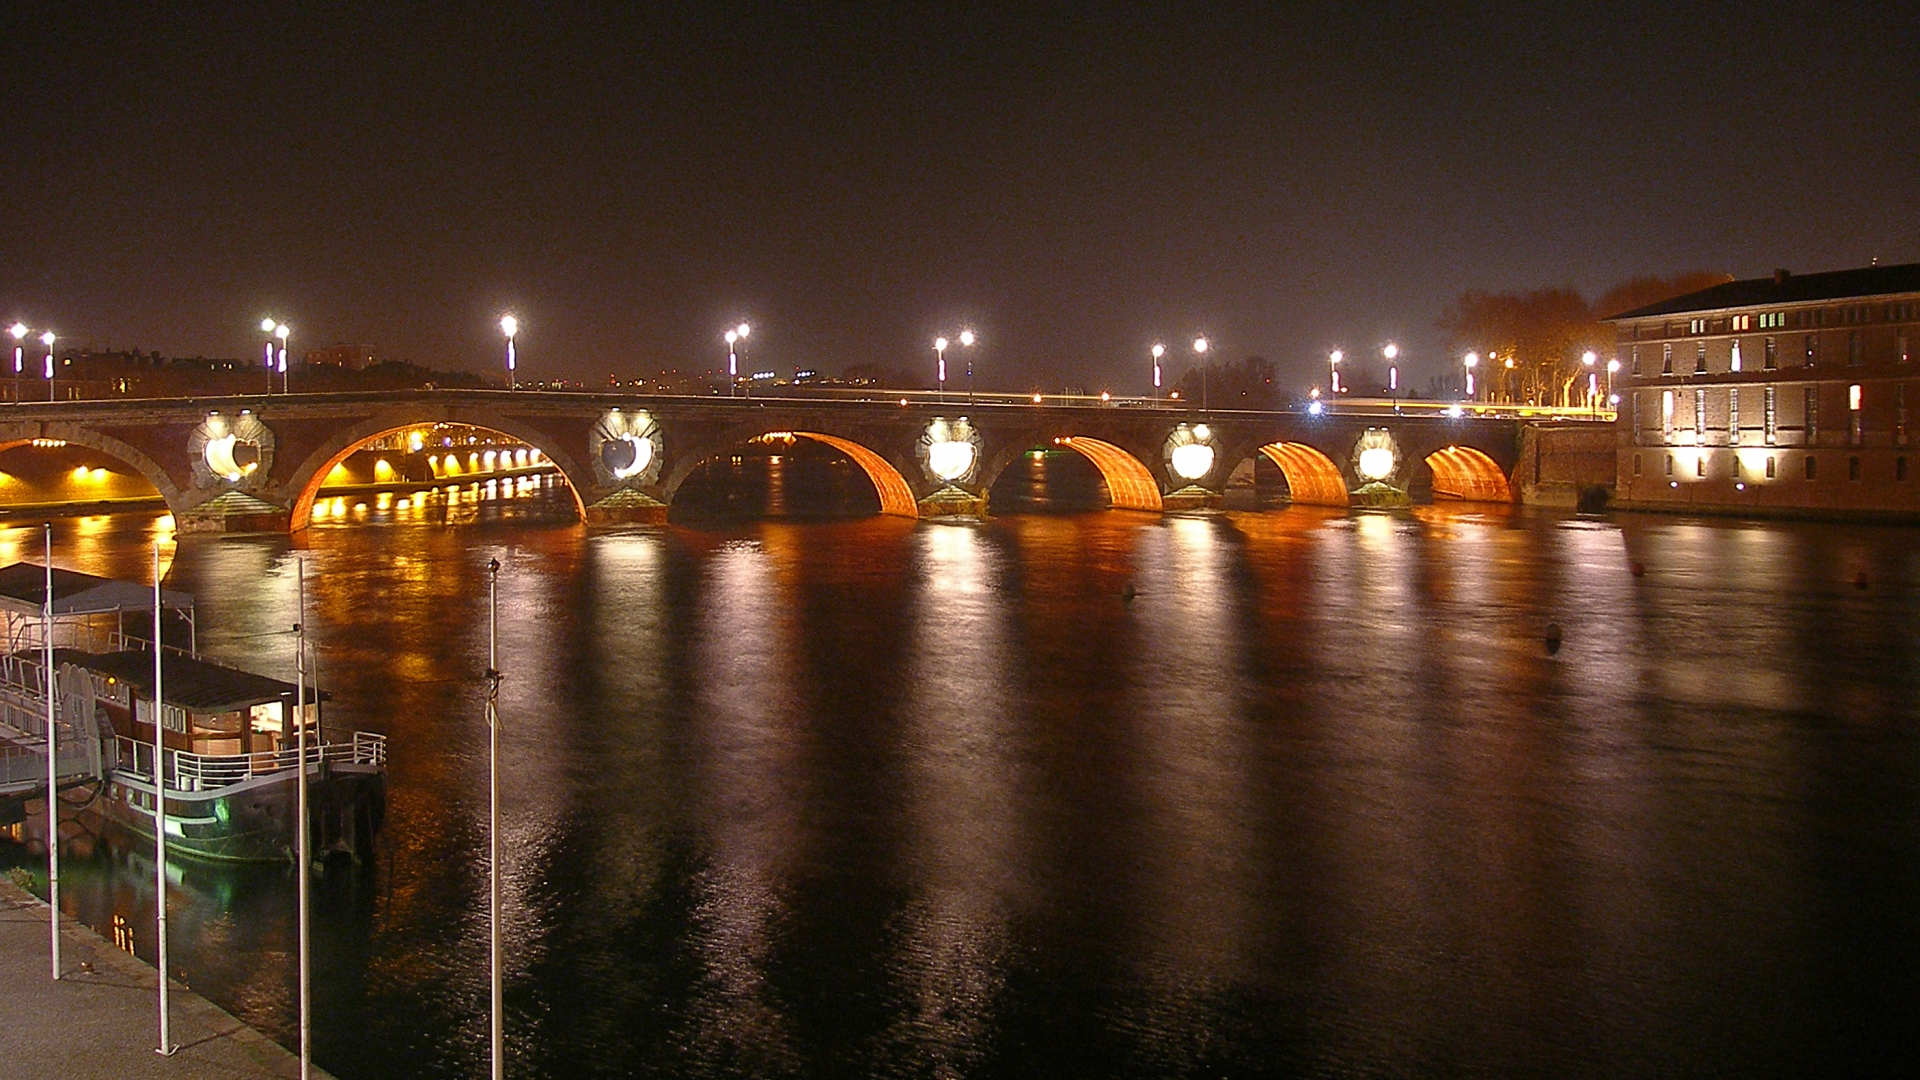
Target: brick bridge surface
[{"x": 297, "y": 438}]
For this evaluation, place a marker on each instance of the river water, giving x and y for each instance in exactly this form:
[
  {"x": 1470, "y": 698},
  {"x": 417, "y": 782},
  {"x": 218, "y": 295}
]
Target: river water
[{"x": 1290, "y": 793}]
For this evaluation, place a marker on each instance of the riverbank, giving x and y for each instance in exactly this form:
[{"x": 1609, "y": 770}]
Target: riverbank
[{"x": 99, "y": 1020}]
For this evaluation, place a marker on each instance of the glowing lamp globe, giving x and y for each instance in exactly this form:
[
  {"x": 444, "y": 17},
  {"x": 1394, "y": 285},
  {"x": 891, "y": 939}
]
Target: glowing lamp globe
[
  {"x": 642, "y": 457},
  {"x": 1192, "y": 461},
  {"x": 1376, "y": 463},
  {"x": 949, "y": 461}
]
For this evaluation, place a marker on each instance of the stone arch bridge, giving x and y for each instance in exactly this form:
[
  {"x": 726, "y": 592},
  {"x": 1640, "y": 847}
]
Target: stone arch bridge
[{"x": 255, "y": 463}]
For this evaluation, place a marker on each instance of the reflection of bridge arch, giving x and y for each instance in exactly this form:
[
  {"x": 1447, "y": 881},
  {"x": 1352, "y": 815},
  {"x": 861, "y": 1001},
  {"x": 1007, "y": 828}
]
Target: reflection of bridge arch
[
  {"x": 312, "y": 474},
  {"x": 144, "y": 466},
  {"x": 1461, "y": 472},
  {"x": 1312, "y": 477},
  {"x": 1130, "y": 484},
  {"x": 895, "y": 494}
]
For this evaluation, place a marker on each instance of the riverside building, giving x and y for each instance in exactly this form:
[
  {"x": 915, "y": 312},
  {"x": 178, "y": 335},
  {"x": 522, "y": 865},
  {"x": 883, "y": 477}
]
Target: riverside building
[{"x": 1786, "y": 394}]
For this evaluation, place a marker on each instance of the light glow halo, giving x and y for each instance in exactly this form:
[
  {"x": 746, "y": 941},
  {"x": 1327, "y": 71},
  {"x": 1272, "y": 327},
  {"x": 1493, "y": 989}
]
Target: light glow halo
[{"x": 1192, "y": 460}]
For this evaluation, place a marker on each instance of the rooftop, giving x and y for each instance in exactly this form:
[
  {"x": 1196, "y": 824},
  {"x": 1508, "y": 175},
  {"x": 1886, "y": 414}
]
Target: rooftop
[
  {"x": 23, "y": 589},
  {"x": 193, "y": 684},
  {"x": 1785, "y": 288}
]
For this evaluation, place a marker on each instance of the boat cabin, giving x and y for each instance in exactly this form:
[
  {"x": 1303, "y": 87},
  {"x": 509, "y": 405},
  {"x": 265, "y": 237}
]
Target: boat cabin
[{"x": 208, "y": 709}]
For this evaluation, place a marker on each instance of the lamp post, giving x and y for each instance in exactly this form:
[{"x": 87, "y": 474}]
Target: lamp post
[
  {"x": 940, "y": 352},
  {"x": 510, "y": 326},
  {"x": 1506, "y": 381},
  {"x": 1392, "y": 352},
  {"x": 1613, "y": 368},
  {"x": 282, "y": 331},
  {"x": 1200, "y": 347},
  {"x": 19, "y": 332},
  {"x": 1593, "y": 380},
  {"x": 47, "y": 339},
  {"x": 1470, "y": 361},
  {"x": 736, "y": 343},
  {"x": 1333, "y": 370},
  {"x": 1158, "y": 351},
  {"x": 966, "y": 342},
  {"x": 266, "y": 361}
]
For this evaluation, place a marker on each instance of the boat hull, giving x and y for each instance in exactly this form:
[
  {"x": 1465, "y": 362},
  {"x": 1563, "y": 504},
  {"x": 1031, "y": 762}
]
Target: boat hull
[{"x": 252, "y": 821}]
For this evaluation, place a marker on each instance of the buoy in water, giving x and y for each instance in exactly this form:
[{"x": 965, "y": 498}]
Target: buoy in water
[{"x": 1553, "y": 638}]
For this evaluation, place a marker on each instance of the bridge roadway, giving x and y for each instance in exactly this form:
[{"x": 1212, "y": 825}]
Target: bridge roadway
[{"x": 254, "y": 463}]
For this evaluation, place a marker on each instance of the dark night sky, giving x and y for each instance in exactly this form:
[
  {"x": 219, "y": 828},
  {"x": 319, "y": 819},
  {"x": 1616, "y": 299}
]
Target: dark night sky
[{"x": 1074, "y": 185}]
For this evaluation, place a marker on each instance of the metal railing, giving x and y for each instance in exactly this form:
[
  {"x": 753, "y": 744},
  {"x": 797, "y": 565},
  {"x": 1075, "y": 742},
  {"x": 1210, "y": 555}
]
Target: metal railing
[{"x": 188, "y": 771}]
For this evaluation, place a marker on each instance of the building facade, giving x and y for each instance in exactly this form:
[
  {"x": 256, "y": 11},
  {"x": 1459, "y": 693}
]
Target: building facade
[{"x": 1786, "y": 394}]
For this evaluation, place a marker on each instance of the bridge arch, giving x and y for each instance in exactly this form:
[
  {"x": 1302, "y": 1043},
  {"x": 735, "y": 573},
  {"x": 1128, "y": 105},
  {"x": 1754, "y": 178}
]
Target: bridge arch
[
  {"x": 1130, "y": 484},
  {"x": 889, "y": 484},
  {"x": 1312, "y": 477},
  {"x": 307, "y": 480},
  {"x": 1464, "y": 473},
  {"x": 77, "y": 435}
]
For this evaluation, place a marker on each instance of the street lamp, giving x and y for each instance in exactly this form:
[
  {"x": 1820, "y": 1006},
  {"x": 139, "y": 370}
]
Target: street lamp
[
  {"x": 281, "y": 332},
  {"x": 966, "y": 342},
  {"x": 1333, "y": 370},
  {"x": 510, "y": 326},
  {"x": 47, "y": 339},
  {"x": 1158, "y": 351},
  {"x": 1200, "y": 347},
  {"x": 736, "y": 344},
  {"x": 1470, "y": 361},
  {"x": 19, "y": 331},
  {"x": 1391, "y": 352},
  {"x": 1613, "y": 368},
  {"x": 1593, "y": 380},
  {"x": 940, "y": 352},
  {"x": 266, "y": 361}
]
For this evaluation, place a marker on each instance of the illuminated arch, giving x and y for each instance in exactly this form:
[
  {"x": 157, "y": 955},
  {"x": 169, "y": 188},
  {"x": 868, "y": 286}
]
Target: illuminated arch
[
  {"x": 896, "y": 497},
  {"x": 1461, "y": 472},
  {"x": 1312, "y": 477},
  {"x": 145, "y": 467},
  {"x": 313, "y": 474},
  {"x": 1130, "y": 485}
]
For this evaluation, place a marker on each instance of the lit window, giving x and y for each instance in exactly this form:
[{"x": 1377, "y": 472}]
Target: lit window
[
  {"x": 1853, "y": 397},
  {"x": 1733, "y": 354},
  {"x": 1700, "y": 417},
  {"x": 1772, "y": 355},
  {"x": 1696, "y": 326},
  {"x": 1666, "y": 414},
  {"x": 1733, "y": 416}
]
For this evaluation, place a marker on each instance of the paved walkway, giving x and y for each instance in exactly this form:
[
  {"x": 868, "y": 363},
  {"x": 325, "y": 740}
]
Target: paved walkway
[{"x": 100, "y": 1020}]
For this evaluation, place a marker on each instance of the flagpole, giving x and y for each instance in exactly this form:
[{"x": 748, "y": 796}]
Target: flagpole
[
  {"x": 53, "y": 767},
  {"x": 493, "y": 805},
  {"x": 300, "y": 816},
  {"x": 160, "y": 815}
]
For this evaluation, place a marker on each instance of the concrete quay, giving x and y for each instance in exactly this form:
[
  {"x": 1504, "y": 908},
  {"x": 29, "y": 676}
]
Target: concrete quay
[{"x": 100, "y": 1019}]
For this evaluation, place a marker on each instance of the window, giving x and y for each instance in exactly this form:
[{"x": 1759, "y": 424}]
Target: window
[
  {"x": 1906, "y": 357},
  {"x": 1700, "y": 417},
  {"x": 1666, "y": 416},
  {"x": 1666, "y": 359},
  {"x": 1772, "y": 320},
  {"x": 1853, "y": 468},
  {"x": 1900, "y": 414},
  {"x": 1733, "y": 416},
  {"x": 1773, "y": 355},
  {"x": 1813, "y": 467},
  {"x": 1854, "y": 422},
  {"x": 1768, "y": 419},
  {"x": 1669, "y": 464},
  {"x": 1700, "y": 358},
  {"x": 1699, "y": 464},
  {"x": 1770, "y": 467},
  {"x": 1853, "y": 348},
  {"x": 1636, "y": 359},
  {"x": 1740, "y": 322},
  {"x": 1813, "y": 349},
  {"x": 1733, "y": 355},
  {"x": 1696, "y": 326},
  {"x": 1636, "y": 464},
  {"x": 1900, "y": 467},
  {"x": 1813, "y": 415}
]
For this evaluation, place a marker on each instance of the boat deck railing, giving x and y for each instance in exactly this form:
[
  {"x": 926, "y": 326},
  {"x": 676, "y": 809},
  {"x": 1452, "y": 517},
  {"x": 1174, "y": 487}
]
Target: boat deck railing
[{"x": 188, "y": 771}]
